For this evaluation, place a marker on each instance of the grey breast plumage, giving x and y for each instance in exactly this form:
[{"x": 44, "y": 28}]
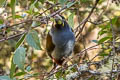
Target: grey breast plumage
[{"x": 63, "y": 40}]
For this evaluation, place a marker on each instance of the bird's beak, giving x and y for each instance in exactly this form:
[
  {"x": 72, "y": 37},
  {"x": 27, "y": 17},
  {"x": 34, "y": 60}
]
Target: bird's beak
[
  {"x": 58, "y": 17},
  {"x": 59, "y": 20}
]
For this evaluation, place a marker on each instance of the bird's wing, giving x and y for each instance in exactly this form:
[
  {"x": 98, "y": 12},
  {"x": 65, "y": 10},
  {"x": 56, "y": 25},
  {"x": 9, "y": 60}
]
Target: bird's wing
[{"x": 49, "y": 45}]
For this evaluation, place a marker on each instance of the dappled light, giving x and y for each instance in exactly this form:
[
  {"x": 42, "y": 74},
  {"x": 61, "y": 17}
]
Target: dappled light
[{"x": 59, "y": 39}]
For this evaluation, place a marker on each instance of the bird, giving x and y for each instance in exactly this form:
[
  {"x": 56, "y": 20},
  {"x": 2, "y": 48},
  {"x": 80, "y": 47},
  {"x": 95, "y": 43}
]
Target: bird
[{"x": 60, "y": 40}]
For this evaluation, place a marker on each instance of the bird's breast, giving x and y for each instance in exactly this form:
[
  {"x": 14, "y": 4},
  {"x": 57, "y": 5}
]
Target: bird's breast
[
  {"x": 64, "y": 44},
  {"x": 60, "y": 38}
]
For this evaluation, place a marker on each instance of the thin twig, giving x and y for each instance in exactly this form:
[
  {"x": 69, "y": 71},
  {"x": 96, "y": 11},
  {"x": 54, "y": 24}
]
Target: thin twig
[
  {"x": 85, "y": 20},
  {"x": 13, "y": 36},
  {"x": 113, "y": 45}
]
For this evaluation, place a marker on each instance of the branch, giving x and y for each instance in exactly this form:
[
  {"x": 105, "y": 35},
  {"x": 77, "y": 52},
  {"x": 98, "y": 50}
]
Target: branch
[
  {"x": 85, "y": 20},
  {"x": 80, "y": 72},
  {"x": 13, "y": 36}
]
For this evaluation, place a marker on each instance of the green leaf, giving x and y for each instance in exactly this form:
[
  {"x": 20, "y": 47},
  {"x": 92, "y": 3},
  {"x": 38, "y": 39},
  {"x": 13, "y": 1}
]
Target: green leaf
[
  {"x": 28, "y": 68},
  {"x": 108, "y": 26},
  {"x": 1, "y": 21},
  {"x": 105, "y": 27},
  {"x": 104, "y": 39},
  {"x": 70, "y": 20},
  {"x": 114, "y": 20},
  {"x": 18, "y": 16},
  {"x": 13, "y": 66},
  {"x": 20, "y": 40},
  {"x": 36, "y": 74},
  {"x": 19, "y": 57},
  {"x": 103, "y": 54},
  {"x": 5, "y": 78},
  {"x": 102, "y": 32},
  {"x": 20, "y": 73},
  {"x": 69, "y": 4},
  {"x": 12, "y": 4},
  {"x": 62, "y": 2},
  {"x": 32, "y": 6},
  {"x": 33, "y": 40},
  {"x": 59, "y": 74},
  {"x": 12, "y": 69}
]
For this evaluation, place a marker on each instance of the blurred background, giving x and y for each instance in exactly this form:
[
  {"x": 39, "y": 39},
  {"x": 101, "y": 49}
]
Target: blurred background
[{"x": 20, "y": 16}]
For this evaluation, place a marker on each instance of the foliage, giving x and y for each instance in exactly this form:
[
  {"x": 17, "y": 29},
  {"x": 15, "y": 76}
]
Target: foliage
[{"x": 23, "y": 29}]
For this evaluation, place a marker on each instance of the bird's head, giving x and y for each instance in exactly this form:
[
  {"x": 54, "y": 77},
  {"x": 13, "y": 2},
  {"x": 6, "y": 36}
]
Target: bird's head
[{"x": 59, "y": 21}]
